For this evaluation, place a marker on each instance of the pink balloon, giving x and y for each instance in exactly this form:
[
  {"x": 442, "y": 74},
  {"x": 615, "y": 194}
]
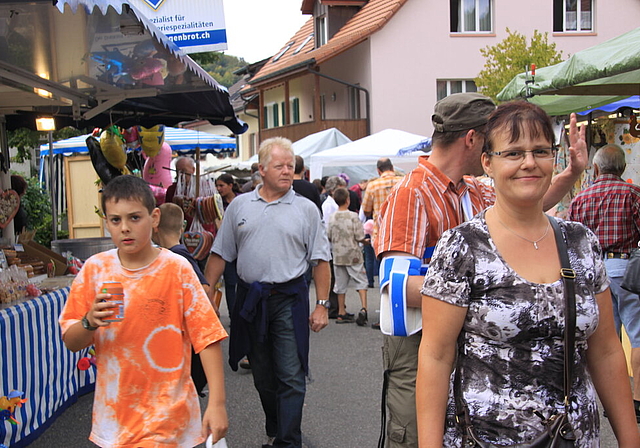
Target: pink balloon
[{"x": 154, "y": 171}]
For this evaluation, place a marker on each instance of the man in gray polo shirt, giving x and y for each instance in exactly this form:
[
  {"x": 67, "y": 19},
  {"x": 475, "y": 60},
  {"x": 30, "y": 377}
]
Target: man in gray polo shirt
[{"x": 274, "y": 234}]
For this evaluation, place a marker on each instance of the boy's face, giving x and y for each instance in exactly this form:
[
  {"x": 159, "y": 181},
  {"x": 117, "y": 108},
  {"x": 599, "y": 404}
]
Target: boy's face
[{"x": 131, "y": 226}]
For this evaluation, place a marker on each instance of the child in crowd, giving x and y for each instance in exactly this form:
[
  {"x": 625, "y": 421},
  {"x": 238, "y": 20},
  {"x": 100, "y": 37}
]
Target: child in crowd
[
  {"x": 167, "y": 234},
  {"x": 345, "y": 232},
  {"x": 144, "y": 395}
]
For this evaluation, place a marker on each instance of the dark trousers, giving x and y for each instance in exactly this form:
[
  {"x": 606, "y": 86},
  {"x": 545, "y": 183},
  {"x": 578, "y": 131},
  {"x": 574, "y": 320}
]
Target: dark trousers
[
  {"x": 369, "y": 262},
  {"x": 333, "y": 297},
  {"x": 278, "y": 374},
  {"x": 230, "y": 284}
]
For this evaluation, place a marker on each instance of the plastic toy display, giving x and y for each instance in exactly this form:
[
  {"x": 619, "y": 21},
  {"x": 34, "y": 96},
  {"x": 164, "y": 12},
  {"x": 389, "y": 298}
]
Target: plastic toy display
[{"x": 8, "y": 405}]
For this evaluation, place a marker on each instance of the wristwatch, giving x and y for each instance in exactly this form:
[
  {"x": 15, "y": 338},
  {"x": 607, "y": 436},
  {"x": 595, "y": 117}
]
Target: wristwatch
[
  {"x": 324, "y": 303},
  {"x": 86, "y": 325}
]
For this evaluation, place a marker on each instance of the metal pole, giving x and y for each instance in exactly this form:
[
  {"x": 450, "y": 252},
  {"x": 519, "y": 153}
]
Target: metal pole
[{"x": 52, "y": 192}]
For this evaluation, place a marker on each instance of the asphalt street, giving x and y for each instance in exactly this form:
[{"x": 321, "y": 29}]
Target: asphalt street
[{"x": 342, "y": 406}]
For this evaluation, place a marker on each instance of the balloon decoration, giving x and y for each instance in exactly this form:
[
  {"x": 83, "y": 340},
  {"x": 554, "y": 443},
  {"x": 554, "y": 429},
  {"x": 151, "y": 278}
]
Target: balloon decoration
[
  {"x": 131, "y": 137},
  {"x": 151, "y": 139},
  {"x": 113, "y": 147},
  {"x": 105, "y": 170},
  {"x": 109, "y": 156},
  {"x": 154, "y": 167}
]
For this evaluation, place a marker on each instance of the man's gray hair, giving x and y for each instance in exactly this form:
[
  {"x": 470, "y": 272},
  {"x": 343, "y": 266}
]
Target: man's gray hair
[
  {"x": 334, "y": 182},
  {"x": 183, "y": 161},
  {"x": 610, "y": 160},
  {"x": 267, "y": 146}
]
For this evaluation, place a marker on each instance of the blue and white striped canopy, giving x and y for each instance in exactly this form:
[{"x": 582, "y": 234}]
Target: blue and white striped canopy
[{"x": 182, "y": 141}]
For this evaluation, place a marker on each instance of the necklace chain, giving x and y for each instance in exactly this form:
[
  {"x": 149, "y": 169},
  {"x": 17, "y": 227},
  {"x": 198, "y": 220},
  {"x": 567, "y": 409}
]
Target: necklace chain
[{"x": 535, "y": 243}]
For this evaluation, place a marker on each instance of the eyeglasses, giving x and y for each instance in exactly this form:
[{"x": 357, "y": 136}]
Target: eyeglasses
[{"x": 517, "y": 155}]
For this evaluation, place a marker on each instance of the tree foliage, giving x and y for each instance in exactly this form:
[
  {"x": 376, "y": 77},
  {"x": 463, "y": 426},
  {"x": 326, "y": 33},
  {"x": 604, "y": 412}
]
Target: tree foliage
[
  {"x": 24, "y": 140},
  {"x": 220, "y": 66},
  {"x": 512, "y": 56},
  {"x": 37, "y": 204}
]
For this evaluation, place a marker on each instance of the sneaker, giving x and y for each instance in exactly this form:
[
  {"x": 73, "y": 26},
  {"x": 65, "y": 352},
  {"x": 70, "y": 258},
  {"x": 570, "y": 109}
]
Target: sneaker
[
  {"x": 344, "y": 319},
  {"x": 269, "y": 442},
  {"x": 361, "y": 320},
  {"x": 375, "y": 325}
]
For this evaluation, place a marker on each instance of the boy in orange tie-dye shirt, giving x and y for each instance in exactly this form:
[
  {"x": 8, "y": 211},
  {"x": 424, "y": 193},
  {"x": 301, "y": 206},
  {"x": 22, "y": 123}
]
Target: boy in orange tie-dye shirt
[{"x": 144, "y": 394}]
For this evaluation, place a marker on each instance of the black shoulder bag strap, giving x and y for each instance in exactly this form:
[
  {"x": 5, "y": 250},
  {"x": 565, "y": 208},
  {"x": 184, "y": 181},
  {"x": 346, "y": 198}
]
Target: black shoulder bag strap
[{"x": 568, "y": 276}]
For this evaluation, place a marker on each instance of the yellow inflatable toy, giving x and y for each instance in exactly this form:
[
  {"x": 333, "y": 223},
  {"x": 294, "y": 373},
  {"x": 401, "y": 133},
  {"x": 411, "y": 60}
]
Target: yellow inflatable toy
[
  {"x": 151, "y": 139},
  {"x": 113, "y": 147}
]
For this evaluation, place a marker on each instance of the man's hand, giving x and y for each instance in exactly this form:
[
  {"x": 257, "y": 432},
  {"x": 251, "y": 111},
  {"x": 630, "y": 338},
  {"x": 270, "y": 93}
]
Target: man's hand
[
  {"x": 578, "y": 154},
  {"x": 319, "y": 318}
]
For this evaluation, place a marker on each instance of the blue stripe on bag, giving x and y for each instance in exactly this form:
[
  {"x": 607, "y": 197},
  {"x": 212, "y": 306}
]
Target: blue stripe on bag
[{"x": 397, "y": 306}]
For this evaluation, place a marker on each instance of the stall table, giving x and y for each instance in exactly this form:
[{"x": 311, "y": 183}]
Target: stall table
[{"x": 34, "y": 360}]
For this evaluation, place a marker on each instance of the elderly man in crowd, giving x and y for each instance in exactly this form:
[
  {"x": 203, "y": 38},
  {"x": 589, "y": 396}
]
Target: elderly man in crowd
[
  {"x": 274, "y": 234},
  {"x": 611, "y": 209}
]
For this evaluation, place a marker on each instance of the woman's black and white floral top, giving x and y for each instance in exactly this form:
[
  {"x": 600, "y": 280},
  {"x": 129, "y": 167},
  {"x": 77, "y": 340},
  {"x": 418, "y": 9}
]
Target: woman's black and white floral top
[{"x": 513, "y": 363}]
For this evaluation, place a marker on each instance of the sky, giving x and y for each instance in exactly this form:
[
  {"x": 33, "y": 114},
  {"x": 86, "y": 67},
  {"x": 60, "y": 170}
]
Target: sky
[{"x": 257, "y": 29}]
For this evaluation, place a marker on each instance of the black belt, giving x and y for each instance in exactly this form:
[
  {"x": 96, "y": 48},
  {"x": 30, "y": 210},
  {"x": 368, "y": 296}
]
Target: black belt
[{"x": 621, "y": 255}]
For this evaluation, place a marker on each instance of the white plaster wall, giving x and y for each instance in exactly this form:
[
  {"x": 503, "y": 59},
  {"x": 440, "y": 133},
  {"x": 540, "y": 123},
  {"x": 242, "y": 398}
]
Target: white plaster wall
[
  {"x": 415, "y": 49},
  {"x": 353, "y": 67},
  {"x": 302, "y": 88}
]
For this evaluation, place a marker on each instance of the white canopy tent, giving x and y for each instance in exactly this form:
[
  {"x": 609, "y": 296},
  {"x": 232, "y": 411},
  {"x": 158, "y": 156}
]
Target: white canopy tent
[
  {"x": 362, "y": 155},
  {"x": 311, "y": 144}
]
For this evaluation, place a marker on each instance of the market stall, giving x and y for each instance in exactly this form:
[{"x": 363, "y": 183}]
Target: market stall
[
  {"x": 84, "y": 63},
  {"x": 34, "y": 361},
  {"x": 74, "y": 176}
]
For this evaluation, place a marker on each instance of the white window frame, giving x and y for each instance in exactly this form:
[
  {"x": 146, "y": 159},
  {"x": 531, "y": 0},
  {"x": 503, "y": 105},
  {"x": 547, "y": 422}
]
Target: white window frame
[
  {"x": 321, "y": 31},
  {"x": 578, "y": 19},
  {"x": 449, "y": 81},
  {"x": 476, "y": 25}
]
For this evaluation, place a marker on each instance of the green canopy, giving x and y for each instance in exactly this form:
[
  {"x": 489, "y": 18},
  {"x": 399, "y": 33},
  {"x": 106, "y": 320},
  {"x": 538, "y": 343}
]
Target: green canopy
[{"x": 590, "y": 78}]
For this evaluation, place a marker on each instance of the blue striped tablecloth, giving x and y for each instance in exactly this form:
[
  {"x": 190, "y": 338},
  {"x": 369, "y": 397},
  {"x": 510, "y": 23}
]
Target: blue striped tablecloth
[{"x": 34, "y": 360}]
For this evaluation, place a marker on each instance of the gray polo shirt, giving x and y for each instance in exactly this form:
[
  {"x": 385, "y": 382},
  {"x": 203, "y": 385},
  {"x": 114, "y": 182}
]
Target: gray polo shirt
[{"x": 274, "y": 242}]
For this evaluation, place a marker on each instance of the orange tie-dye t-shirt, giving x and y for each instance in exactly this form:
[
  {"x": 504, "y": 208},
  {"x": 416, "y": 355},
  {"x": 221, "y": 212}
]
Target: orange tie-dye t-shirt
[{"x": 144, "y": 394}]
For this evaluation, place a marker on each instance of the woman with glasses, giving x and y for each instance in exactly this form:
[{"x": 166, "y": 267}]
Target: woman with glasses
[{"x": 495, "y": 282}]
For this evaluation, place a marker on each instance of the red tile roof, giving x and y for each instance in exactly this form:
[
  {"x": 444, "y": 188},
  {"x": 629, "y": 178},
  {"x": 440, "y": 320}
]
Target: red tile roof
[{"x": 372, "y": 17}]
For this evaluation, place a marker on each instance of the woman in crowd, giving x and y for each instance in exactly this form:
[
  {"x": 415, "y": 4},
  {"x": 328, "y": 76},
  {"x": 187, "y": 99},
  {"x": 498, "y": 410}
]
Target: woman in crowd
[
  {"x": 497, "y": 279},
  {"x": 228, "y": 190}
]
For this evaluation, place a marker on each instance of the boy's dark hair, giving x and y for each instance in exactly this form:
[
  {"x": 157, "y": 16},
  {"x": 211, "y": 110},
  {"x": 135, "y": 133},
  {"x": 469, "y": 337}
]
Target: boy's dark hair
[
  {"x": 340, "y": 195},
  {"x": 130, "y": 188}
]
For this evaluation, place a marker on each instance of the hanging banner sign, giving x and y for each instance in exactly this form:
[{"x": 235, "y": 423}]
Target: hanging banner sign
[{"x": 195, "y": 26}]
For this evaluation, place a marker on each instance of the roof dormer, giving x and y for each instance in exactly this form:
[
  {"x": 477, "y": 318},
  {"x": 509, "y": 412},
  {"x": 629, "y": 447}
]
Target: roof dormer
[{"x": 330, "y": 16}]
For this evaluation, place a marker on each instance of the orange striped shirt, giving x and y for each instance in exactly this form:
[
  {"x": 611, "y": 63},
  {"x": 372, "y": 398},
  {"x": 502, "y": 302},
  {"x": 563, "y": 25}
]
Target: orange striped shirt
[
  {"x": 422, "y": 206},
  {"x": 376, "y": 193}
]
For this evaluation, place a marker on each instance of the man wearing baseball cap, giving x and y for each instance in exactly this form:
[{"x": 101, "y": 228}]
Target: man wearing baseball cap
[{"x": 439, "y": 194}]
